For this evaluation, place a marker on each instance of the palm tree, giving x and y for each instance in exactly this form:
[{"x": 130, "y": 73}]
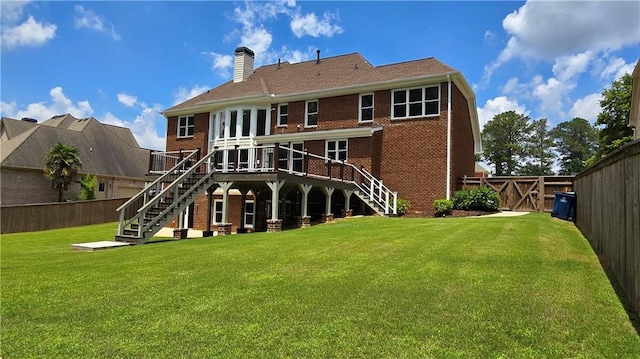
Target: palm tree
[{"x": 62, "y": 167}]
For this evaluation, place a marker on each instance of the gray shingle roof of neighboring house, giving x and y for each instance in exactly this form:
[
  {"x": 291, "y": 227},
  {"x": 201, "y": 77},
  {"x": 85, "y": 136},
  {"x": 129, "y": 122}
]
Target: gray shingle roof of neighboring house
[
  {"x": 330, "y": 73},
  {"x": 105, "y": 150}
]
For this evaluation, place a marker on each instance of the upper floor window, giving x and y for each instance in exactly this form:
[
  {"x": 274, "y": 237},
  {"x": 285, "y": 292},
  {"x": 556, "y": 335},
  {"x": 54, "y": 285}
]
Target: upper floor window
[
  {"x": 416, "y": 102},
  {"x": 185, "y": 126},
  {"x": 283, "y": 114},
  {"x": 337, "y": 149},
  {"x": 311, "y": 114},
  {"x": 366, "y": 108}
]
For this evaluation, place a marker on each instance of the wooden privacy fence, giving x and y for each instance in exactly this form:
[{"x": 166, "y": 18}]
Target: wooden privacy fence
[
  {"x": 522, "y": 193},
  {"x": 608, "y": 215},
  {"x": 39, "y": 217}
]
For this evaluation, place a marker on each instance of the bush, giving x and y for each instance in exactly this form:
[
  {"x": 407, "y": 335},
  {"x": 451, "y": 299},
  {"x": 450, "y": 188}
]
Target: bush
[
  {"x": 87, "y": 187},
  {"x": 462, "y": 200},
  {"x": 402, "y": 207},
  {"x": 481, "y": 199},
  {"x": 443, "y": 207}
]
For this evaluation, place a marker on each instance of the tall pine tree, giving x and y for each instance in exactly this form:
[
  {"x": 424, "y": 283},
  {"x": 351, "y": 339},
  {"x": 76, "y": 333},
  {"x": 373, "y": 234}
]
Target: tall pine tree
[
  {"x": 575, "y": 142},
  {"x": 504, "y": 139},
  {"x": 539, "y": 150}
]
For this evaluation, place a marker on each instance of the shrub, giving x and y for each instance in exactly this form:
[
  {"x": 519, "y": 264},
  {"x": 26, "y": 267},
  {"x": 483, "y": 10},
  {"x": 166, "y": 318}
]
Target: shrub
[
  {"x": 402, "y": 207},
  {"x": 462, "y": 200},
  {"x": 481, "y": 199},
  {"x": 443, "y": 207},
  {"x": 87, "y": 187},
  {"x": 485, "y": 199}
]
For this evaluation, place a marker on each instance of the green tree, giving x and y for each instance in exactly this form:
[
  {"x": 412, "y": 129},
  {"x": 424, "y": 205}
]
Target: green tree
[
  {"x": 504, "y": 139},
  {"x": 614, "y": 117},
  {"x": 87, "y": 187},
  {"x": 575, "y": 142},
  {"x": 61, "y": 167},
  {"x": 539, "y": 150}
]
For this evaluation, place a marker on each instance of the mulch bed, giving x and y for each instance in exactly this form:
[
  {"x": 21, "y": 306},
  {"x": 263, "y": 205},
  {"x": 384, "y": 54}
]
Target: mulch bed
[{"x": 460, "y": 213}]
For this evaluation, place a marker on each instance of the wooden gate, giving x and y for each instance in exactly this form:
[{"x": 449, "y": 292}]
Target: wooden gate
[{"x": 522, "y": 193}]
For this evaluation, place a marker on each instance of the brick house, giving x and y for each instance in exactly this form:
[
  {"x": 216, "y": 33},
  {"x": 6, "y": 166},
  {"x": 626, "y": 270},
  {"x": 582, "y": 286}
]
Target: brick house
[
  {"x": 102, "y": 148},
  {"x": 324, "y": 138}
]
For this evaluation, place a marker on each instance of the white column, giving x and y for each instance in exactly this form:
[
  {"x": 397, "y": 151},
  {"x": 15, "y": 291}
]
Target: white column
[
  {"x": 225, "y": 200},
  {"x": 305, "y": 188},
  {"x": 347, "y": 198},
  {"x": 328, "y": 191},
  {"x": 275, "y": 187}
]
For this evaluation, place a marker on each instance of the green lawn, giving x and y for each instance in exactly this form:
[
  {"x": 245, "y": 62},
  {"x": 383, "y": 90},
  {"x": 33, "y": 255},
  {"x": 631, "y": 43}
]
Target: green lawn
[{"x": 524, "y": 287}]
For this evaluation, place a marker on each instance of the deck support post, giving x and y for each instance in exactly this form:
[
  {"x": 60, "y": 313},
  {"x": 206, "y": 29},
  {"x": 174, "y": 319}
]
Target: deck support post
[
  {"x": 224, "y": 228},
  {"x": 274, "y": 224},
  {"x": 347, "y": 212},
  {"x": 243, "y": 193},
  {"x": 305, "y": 220},
  {"x": 327, "y": 216},
  {"x": 208, "y": 232}
]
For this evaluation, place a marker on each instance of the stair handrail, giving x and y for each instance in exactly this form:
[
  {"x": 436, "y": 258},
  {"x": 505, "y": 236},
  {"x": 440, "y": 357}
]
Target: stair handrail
[
  {"x": 172, "y": 187},
  {"x": 369, "y": 191},
  {"x": 158, "y": 180}
]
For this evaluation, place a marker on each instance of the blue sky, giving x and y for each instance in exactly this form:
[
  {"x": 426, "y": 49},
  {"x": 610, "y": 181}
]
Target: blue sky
[{"x": 124, "y": 62}]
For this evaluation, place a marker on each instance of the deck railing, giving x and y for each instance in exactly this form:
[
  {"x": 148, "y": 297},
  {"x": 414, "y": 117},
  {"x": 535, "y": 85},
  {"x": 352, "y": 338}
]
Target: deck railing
[{"x": 161, "y": 162}]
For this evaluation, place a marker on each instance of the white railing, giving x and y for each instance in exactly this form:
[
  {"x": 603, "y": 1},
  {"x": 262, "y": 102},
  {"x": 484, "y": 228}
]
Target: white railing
[{"x": 161, "y": 162}]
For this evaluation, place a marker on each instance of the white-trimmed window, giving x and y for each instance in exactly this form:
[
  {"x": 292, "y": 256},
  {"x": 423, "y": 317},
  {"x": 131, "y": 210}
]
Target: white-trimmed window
[
  {"x": 185, "y": 126},
  {"x": 366, "y": 108},
  {"x": 311, "y": 114},
  {"x": 415, "y": 102},
  {"x": 217, "y": 211},
  {"x": 249, "y": 213},
  {"x": 283, "y": 114},
  {"x": 336, "y": 149}
]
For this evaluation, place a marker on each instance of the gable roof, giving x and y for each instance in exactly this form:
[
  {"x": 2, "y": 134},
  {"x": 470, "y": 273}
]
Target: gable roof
[
  {"x": 309, "y": 76},
  {"x": 12, "y": 127},
  {"x": 104, "y": 150}
]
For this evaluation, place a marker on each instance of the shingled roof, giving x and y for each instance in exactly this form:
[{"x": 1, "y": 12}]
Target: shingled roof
[
  {"x": 329, "y": 73},
  {"x": 104, "y": 149}
]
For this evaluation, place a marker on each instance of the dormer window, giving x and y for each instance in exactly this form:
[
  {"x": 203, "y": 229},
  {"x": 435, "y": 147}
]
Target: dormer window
[
  {"x": 311, "y": 114},
  {"x": 185, "y": 126}
]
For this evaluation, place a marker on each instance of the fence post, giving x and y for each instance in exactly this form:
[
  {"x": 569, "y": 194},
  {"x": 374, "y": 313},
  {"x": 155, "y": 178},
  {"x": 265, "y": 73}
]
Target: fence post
[{"x": 541, "y": 194}]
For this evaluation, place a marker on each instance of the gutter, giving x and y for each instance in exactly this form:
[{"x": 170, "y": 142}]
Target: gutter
[{"x": 448, "y": 138}]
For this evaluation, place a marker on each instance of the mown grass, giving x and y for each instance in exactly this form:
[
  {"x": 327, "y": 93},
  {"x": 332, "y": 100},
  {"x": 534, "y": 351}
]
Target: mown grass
[{"x": 525, "y": 287}]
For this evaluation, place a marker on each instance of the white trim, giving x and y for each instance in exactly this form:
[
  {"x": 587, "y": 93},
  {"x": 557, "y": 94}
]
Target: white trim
[
  {"x": 448, "y": 193},
  {"x": 337, "y": 149},
  {"x": 307, "y": 113},
  {"x": 317, "y": 135},
  {"x": 360, "y": 107},
  {"x": 278, "y": 124},
  {"x": 407, "y": 102},
  {"x": 186, "y": 126}
]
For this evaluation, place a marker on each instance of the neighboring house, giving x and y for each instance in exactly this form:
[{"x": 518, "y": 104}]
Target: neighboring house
[
  {"x": 110, "y": 152},
  {"x": 279, "y": 133},
  {"x": 634, "y": 118}
]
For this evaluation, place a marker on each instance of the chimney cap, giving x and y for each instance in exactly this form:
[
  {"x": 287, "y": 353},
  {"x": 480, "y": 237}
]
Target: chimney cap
[{"x": 246, "y": 50}]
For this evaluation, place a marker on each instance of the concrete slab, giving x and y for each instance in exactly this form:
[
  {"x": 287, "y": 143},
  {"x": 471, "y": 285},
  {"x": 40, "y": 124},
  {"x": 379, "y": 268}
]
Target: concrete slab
[{"x": 94, "y": 246}]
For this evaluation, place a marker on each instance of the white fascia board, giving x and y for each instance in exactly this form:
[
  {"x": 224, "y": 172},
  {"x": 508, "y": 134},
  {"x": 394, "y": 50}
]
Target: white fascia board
[
  {"x": 317, "y": 135},
  {"x": 205, "y": 106}
]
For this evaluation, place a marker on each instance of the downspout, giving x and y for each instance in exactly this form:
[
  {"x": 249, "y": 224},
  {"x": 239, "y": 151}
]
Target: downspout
[{"x": 449, "y": 138}]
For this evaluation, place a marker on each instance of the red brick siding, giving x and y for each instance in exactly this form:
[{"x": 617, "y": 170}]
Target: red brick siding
[
  {"x": 200, "y": 134},
  {"x": 463, "y": 157}
]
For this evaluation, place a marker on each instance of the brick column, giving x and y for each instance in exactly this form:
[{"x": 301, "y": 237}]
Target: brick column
[
  {"x": 224, "y": 229},
  {"x": 304, "y": 222},
  {"x": 327, "y": 217},
  {"x": 274, "y": 225},
  {"x": 180, "y": 233},
  {"x": 347, "y": 213}
]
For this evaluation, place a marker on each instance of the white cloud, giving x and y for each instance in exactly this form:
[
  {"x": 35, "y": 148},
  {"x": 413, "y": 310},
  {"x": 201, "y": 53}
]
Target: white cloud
[
  {"x": 497, "y": 106},
  {"x": 29, "y": 33},
  {"x": 310, "y": 24},
  {"x": 258, "y": 40},
  {"x": 569, "y": 67},
  {"x": 489, "y": 37},
  {"x": 59, "y": 105},
  {"x": 548, "y": 30},
  {"x": 127, "y": 100},
  {"x": 587, "y": 107},
  {"x": 11, "y": 11},
  {"x": 182, "y": 94},
  {"x": 222, "y": 64},
  {"x": 86, "y": 18},
  {"x": 143, "y": 126}
]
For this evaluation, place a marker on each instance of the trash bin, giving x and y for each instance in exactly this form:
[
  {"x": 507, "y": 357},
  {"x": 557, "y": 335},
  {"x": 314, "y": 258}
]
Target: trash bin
[{"x": 564, "y": 206}]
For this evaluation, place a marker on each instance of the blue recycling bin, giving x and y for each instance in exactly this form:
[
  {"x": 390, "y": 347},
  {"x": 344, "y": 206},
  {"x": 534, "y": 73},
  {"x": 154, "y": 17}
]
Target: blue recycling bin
[{"x": 564, "y": 206}]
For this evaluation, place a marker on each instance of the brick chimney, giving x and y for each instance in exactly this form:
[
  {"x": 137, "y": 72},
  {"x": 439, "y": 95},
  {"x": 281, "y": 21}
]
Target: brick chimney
[{"x": 243, "y": 64}]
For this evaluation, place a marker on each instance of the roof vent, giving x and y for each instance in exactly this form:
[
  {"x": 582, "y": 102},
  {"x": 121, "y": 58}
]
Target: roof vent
[
  {"x": 278, "y": 64},
  {"x": 318, "y": 59},
  {"x": 29, "y": 119},
  {"x": 243, "y": 65}
]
